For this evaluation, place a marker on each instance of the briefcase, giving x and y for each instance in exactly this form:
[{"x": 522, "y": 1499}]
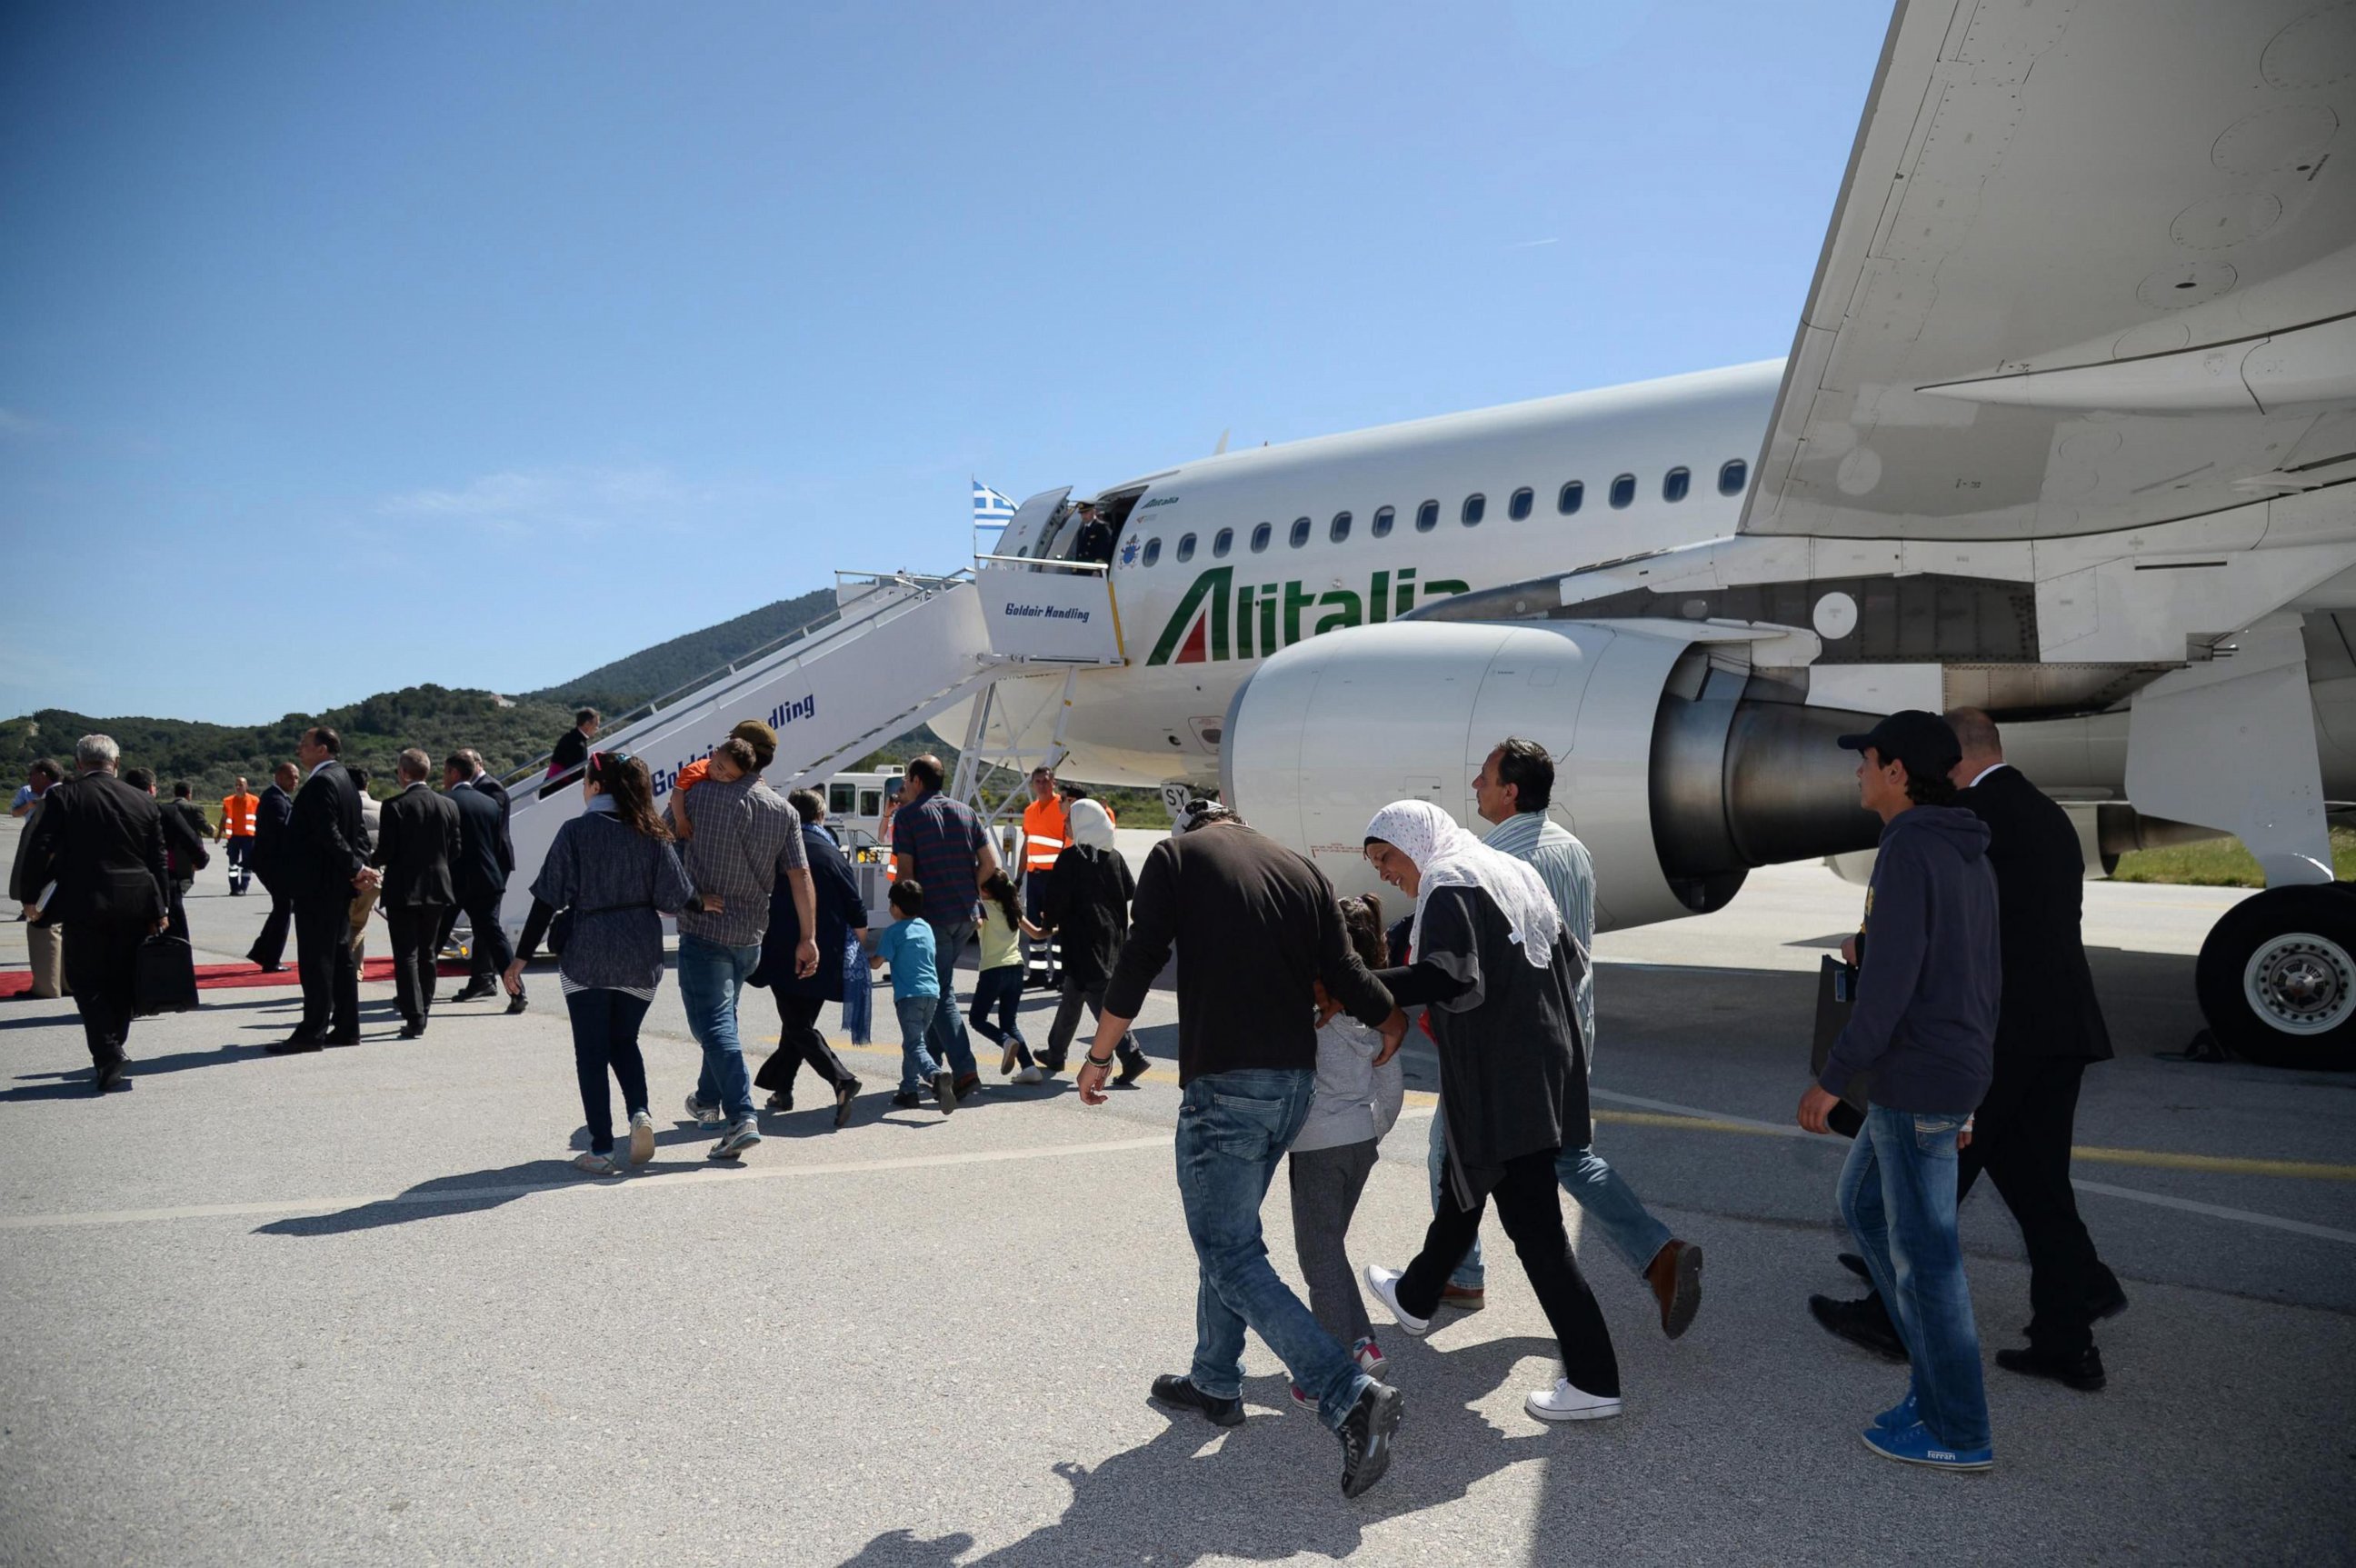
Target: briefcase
[
  {"x": 165, "y": 978},
  {"x": 1835, "y": 1000}
]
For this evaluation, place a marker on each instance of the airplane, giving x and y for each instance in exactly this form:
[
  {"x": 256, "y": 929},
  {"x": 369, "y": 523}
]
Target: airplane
[{"x": 2068, "y": 432}]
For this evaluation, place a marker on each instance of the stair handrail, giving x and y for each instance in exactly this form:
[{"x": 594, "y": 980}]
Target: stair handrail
[{"x": 925, "y": 585}]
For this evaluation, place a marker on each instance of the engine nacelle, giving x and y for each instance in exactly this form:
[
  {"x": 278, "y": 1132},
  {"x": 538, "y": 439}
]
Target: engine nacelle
[{"x": 1677, "y": 770}]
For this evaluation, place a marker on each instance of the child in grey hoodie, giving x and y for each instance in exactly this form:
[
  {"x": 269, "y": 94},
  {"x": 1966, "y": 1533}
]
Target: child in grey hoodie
[{"x": 1356, "y": 1102}]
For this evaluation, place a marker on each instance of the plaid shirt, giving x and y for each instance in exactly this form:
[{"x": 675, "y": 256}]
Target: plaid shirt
[
  {"x": 1563, "y": 864},
  {"x": 944, "y": 838},
  {"x": 745, "y": 835}
]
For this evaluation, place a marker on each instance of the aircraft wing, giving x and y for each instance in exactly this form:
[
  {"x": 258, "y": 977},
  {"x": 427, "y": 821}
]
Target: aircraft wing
[{"x": 2093, "y": 266}]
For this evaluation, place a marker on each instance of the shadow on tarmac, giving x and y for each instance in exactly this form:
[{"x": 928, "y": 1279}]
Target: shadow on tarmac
[{"x": 1270, "y": 1489}]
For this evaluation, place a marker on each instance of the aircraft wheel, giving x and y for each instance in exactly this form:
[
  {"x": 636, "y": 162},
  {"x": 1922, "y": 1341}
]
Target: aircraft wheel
[{"x": 2276, "y": 978}]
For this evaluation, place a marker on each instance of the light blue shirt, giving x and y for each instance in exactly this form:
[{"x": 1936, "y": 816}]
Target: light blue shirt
[
  {"x": 907, "y": 947},
  {"x": 1563, "y": 864}
]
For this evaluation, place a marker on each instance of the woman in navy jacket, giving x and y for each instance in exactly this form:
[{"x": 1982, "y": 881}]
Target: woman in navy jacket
[{"x": 800, "y": 1001}]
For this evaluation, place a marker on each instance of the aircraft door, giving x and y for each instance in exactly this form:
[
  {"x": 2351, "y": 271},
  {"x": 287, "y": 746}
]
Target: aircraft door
[{"x": 1027, "y": 533}]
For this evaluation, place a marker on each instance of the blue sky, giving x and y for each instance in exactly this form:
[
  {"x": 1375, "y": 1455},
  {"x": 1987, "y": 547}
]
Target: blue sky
[{"x": 347, "y": 347}]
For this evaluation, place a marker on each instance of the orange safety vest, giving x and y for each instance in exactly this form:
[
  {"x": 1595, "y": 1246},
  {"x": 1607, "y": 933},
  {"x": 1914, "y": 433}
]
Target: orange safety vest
[
  {"x": 237, "y": 814},
  {"x": 1045, "y": 831}
]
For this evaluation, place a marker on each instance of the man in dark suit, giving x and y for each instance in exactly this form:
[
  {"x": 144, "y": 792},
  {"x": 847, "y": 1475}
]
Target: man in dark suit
[
  {"x": 489, "y": 785},
  {"x": 185, "y": 832},
  {"x": 327, "y": 862},
  {"x": 2049, "y": 1026},
  {"x": 97, "y": 866},
  {"x": 270, "y": 862},
  {"x": 485, "y": 855},
  {"x": 417, "y": 840}
]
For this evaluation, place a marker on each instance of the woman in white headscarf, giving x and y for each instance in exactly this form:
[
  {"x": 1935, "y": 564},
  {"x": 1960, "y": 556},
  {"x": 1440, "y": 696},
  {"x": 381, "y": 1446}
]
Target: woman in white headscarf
[
  {"x": 1491, "y": 962},
  {"x": 1088, "y": 901}
]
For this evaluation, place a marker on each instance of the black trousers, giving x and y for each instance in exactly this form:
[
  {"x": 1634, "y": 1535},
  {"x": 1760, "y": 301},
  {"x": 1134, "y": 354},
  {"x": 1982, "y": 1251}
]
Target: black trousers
[
  {"x": 177, "y": 922},
  {"x": 415, "y": 931},
  {"x": 101, "y": 969},
  {"x": 798, "y": 1042},
  {"x": 489, "y": 952},
  {"x": 330, "y": 975},
  {"x": 240, "y": 874},
  {"x": 269, "y": 949},
  {"x": 2021, "y": 1137},
  {"x": 1529, "y": 1204}
]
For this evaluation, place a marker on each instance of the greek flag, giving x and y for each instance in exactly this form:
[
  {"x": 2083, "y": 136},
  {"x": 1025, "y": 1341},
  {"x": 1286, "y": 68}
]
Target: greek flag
[{"x": 992, "y": 512}]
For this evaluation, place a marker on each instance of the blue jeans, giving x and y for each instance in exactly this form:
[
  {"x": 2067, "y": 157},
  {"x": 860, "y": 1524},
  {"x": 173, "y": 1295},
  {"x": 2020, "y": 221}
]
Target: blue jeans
[
  {"x": 710, "y": 977},
  {"x": 1233, "y": 1130},
  {"x": 1897, "y": 1194},
  {"x": 948, "y": 1039},
  {"x": 916, "y": 1063},
  {"x": 1603, "y": 1195},
  {"x": 1000, "y": 990}
]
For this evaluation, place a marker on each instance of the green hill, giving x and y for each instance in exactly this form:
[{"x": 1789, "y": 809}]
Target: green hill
[{"x": 626, "y": 682}]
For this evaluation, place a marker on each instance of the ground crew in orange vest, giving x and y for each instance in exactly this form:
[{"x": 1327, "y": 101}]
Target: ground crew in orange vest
[
  {"x": 1046, "y": 831},
  {"x": 237, "y": 832}
]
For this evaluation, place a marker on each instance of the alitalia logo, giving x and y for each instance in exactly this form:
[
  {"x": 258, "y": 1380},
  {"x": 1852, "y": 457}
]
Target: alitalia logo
[{"x": 1218, "y": 620}]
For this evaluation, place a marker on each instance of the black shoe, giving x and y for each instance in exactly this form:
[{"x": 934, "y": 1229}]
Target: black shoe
[
  {"x": 968, "y": 1086},
  {"x": 1133, "y": 1066},
  {"x": 1175, "y": 1391},
  {"x": 1855, "y": 1265},
  {"x": 412, "y": 1030},
  {"x": 1367, "y": 1434},
  {"x": 2083, "y": 1373},
  {"x": 1051, "y": 1064},
  {"x": 907, "y": 1101},
  {"x": 516, "y": 1004},
  {"x": 2107, "y": 1300},
  {"x": 1862, "y": 1323},
  {"x": 295, "y": 1044},
  {"x": 844, "y": 1093},
  {"x": 107, "y": 1075},
  {"x": 350, "y": 1039},
  {"x": 470, "y": 993}
]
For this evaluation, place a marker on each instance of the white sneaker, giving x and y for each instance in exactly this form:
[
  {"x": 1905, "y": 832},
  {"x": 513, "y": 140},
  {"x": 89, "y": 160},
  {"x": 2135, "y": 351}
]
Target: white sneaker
[
  {"x": 709, "y": 1115},
  {"x": 1029, "y": 1075},
  {"x": 1564, "y": 1403},
  {"x": 1384, "y": 1282},
  {"x": 642, "y": 1138},
  {"x": 595, "y": 1164}
]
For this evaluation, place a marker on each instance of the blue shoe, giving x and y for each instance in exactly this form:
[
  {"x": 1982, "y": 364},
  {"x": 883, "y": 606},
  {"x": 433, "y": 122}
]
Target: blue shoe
[
  {"x": 1897, "y": 1417},
  {"x": 1915, "y": 1445}
]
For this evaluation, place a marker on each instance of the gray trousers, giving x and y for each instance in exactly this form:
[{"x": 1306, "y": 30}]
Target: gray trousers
[
  {"x": 1325, "y": 1188},
  {"x": 1067, "y": 1021}
]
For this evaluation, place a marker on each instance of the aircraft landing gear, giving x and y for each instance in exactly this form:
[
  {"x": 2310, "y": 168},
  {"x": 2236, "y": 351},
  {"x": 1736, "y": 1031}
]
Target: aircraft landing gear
[{"x": 2277, "y": 978}]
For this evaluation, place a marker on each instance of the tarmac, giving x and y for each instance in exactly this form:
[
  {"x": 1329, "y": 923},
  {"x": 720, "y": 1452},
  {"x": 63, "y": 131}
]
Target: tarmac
[{"x": 357, "y": 1307}]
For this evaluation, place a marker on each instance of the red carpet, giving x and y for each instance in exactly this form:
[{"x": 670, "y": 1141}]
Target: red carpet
[{"x": 227, "y": 976}]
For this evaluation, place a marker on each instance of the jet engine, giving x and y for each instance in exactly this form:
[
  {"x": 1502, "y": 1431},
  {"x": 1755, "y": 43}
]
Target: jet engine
[{"x": 1677, "y": 765}]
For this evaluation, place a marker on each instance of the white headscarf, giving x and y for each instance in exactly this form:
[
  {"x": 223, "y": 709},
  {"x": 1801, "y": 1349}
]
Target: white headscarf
[
  {"x": 1448, "y": 856},
  {"x": 1091, "y": 824}
]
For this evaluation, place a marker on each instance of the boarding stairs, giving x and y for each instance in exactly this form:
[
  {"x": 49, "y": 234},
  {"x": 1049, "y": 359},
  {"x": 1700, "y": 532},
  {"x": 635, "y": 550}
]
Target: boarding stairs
[{"x": 897, "y": 651}]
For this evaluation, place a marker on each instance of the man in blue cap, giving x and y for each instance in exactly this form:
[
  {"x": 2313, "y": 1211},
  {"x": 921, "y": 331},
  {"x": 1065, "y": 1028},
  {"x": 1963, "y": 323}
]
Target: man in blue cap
[{"x": 1925, "y": 1028}]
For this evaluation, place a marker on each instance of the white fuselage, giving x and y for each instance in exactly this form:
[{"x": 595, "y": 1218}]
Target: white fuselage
[{"x": 1194, "y": 628}]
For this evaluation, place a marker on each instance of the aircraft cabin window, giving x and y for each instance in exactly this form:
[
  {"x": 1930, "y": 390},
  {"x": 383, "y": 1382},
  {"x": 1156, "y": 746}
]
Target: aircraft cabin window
[
  {"x": 1475, "y": 505},
  {"x": 1732, "y": 476},
  {"x": 1381, "y": 527},
  {"x": 1675, "y": 483},
  {"x": 1152, "y": 551},
  {"x": 1519, "y": 506},
  {"x": 1185, "y": 547},
  {"x": 1300, "y": 531},
  {"x": 1571, "y": 494},
  {"x": 1341, "y": 528},
  {"x": 1222, "y": 542},
  {"x": 1623, "y": 489},
  {"x": 1426, "y": 517},
  {"x": 1260, "y": 537}
]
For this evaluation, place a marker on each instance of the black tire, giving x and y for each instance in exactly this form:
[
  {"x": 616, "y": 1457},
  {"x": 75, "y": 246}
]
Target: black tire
[{"x": 2305, "y": 939}]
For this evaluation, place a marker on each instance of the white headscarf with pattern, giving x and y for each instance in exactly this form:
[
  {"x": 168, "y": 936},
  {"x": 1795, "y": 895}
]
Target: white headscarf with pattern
[{"x": 1448, "y": 856}]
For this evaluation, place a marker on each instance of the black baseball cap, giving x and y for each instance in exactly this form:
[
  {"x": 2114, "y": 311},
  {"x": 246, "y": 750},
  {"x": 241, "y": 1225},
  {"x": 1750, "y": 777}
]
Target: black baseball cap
[{"x": 1924, "y": 741}]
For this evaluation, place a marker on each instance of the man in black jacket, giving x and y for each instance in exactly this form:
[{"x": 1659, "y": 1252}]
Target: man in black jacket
[
  {"x": 185, "y": 832},
  {"x": 270, "y": 863},
  {"x": 1257, "y": 930},
  {"x": 97, "y": 866},
  {"x": 327, "y": 862},
  {"x": 417, "y": 839},
  {"x": 801, "y": 999},
  {"x": 480, "y": 873}
]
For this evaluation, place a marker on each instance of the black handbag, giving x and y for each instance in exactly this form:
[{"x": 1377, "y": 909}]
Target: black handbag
[{"x": 165, "y": 979}]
